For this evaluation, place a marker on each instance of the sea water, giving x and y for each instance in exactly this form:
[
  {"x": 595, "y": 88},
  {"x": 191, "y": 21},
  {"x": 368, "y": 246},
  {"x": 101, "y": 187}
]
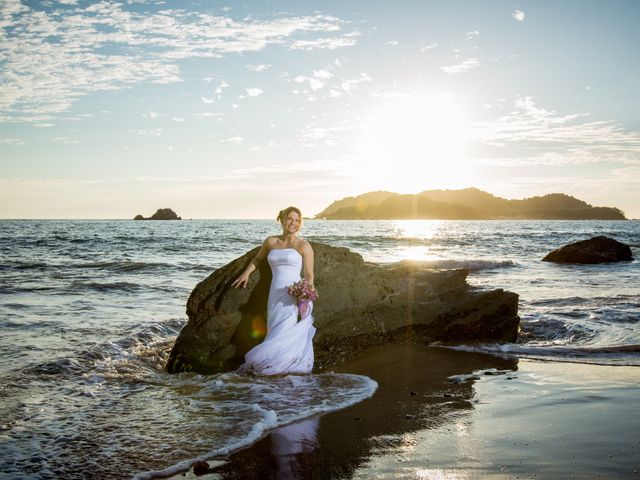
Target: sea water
[{"x": 89, "y": 311}]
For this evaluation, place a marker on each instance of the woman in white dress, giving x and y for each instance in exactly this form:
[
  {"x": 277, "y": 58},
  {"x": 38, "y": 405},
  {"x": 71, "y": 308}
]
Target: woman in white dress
[{"x": 288, "y": 346}]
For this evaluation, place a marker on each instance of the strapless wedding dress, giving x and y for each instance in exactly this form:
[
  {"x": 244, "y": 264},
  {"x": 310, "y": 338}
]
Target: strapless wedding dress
[{"x": 288, "y": 346}]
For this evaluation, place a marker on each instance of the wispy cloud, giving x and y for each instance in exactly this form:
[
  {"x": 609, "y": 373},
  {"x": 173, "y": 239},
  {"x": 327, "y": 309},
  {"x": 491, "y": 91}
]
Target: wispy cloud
[
  {"x": 463, "y": 66},
  {"x": 154, "y": 132},
  {"x": 547, "y": 137},
  {"x": 314, "y": 135},
  {"x": 12, "y": 141},
  {"x": 65, "y": 140},
  {"x": 237, "y": 140},
  {"x": 518, "y": 15},
  {"x": 53, "y": 56},
  {"x": 353, "y": 84},
  {"x": 346, "y": 40},
  {"x": 472, "y": 34},
  {"x": 259, "y": 68},
  {"x": 431, "y": 46}
]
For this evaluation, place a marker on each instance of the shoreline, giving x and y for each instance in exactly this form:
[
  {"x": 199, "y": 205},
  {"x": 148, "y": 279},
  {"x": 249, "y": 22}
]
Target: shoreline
[{"x": 440, "y": 413}]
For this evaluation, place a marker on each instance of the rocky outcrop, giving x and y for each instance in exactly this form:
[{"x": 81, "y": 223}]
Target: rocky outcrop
[
  {"x": 360, "y": 305},
  {"x": 594, "y": 250},
  {"x": 161, "y": 214}
]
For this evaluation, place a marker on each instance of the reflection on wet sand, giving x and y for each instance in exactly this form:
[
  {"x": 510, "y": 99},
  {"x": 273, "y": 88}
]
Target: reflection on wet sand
[{"x": 419, "y": 388}]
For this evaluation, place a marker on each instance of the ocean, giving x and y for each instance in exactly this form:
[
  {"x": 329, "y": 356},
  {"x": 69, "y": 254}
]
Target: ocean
[{"x": 89, "y": 310}]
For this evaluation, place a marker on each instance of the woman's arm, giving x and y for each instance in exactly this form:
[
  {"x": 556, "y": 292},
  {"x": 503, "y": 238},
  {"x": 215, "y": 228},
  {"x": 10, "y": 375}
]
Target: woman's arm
[
  {"x": 243, "y": 279},
  {"x": 307, "y": 259}
]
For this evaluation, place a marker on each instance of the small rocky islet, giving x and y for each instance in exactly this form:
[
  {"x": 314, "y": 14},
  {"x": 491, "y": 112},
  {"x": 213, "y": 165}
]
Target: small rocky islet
[{"x": 161, "y": 214}]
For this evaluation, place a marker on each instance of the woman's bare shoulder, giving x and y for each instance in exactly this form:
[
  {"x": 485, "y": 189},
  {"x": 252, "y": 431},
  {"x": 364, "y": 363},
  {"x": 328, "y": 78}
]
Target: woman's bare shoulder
[
  {"x": 270, "y": 242},
  {"x": 304, "y": 246}
]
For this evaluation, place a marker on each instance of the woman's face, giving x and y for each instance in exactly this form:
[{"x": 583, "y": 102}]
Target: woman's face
[{"x": 292, "y": 222}]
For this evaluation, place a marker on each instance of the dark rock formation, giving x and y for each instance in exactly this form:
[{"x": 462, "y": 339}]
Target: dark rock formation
[
  {"x": 161, "y": 214},
  {"x": 361, "y": 305},
  {"x": 595, "y": 250}
]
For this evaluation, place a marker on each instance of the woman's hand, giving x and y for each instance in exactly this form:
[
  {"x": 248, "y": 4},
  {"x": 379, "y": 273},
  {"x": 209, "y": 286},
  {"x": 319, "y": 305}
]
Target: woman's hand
[{"x": 242, "y": 280}]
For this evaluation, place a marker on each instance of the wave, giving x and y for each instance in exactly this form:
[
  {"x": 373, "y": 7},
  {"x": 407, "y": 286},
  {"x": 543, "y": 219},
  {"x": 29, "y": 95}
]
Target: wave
[
  {"x": 124, "y": 266},
  {"x": 139, "y": 354},
  {"x": 623, "y": 355}
]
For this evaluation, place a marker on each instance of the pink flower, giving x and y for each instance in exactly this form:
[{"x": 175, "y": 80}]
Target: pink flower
[{"x": 304, "y": 294}]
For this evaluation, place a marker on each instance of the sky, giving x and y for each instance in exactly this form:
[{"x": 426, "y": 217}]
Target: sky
[{"x": 238, "y": 109}]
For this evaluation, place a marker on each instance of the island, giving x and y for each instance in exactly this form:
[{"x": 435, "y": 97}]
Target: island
[
  {"x": 464, "y": 204},
  {"x": 161, "y": 214}
]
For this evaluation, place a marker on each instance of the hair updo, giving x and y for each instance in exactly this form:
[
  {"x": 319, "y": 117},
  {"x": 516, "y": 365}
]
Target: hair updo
[{"x": 282, "y": 215}]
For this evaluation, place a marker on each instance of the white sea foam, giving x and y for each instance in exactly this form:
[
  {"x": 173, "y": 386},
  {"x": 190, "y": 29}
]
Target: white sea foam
[
  {"x": 560, "y": 352},
  {"x": 278, "y": 401}
]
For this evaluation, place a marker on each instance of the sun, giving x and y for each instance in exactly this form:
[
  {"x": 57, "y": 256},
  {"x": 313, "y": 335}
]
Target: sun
[{"x": 411, "y": 143}]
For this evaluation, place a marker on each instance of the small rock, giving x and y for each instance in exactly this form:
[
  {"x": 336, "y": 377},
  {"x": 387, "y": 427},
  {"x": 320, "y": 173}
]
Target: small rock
[
  {"x": 200, "y": 468},
  {"x": 357, "y": 418},
  {"x": 413, "y": 393}
]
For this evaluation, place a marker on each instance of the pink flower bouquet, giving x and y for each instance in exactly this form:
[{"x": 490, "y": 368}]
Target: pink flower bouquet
[{"x": 304, "y": 294}]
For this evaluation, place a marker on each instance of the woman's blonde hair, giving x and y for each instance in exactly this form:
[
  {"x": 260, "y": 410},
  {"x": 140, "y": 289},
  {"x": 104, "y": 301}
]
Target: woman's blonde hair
[{"x": 282, "y": 215}]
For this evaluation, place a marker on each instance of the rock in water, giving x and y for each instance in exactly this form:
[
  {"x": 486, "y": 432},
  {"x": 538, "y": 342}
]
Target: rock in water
[
  {"x": 161, "y": 214},
  {"x": 361, "y": 305},
  {"x": 595, "y": 250}
]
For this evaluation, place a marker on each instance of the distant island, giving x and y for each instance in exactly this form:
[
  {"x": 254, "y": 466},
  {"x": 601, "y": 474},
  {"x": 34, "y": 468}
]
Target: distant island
[
  {"x": 464, "y": 204},
  {"x": 161, "y": 214}
]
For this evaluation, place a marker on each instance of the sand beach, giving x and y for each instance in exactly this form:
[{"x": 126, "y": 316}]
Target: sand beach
[{"x": 444, "y": 414}]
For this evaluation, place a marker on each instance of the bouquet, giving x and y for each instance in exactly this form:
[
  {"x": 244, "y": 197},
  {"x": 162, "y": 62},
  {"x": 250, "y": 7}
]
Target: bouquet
[{"x": 304, "y": 293}]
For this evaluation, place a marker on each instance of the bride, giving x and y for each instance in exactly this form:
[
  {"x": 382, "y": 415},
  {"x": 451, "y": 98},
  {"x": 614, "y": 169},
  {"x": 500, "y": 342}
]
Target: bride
[{"x": 288, "y": 346}]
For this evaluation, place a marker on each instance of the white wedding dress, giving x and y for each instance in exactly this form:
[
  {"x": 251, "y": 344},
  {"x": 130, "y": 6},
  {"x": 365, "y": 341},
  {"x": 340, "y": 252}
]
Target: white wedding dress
[{"x": 288, "y": 346}]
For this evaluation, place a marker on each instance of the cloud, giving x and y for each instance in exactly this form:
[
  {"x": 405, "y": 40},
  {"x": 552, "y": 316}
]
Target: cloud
[
  {"x": 314, "y": 83},
  {"x": 547, "y": 137},
  {"x": 314, "y": 135},
  {"x": 154, "y": 132},
  {"x": 12, "y": 141},
  {"x": 237, "y": 140},
  {"x": 53, "y": 56},
  {"x": 472, "y": 34},
  {"x": 65, "y": 140},
  {"x": 353, "y": 84},
  {"x": 254, "y": 92},
  {"x": 332, "y": 43},
  {"x": 259, "y": 68},
  {"x": 464, "y": 66},
  {"x": 207, "y": 100},
  {"x": 426, "y": 48},
  {"x": 518, "y": 15},
  {"x": 207, "y": 114}
]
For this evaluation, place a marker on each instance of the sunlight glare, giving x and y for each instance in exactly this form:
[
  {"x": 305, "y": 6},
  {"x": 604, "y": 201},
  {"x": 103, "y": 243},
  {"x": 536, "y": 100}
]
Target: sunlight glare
[{"x": 412, "y": 143}]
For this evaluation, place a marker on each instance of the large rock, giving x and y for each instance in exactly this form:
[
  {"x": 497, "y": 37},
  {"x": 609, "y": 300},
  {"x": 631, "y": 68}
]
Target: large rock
[
  {"x": 361, "y": 305},
  {"x": 595, "y": 250}
]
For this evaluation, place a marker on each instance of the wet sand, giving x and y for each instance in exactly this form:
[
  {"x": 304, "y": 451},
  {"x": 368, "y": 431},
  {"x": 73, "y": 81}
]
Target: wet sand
[{"x": 443, "y": 414}]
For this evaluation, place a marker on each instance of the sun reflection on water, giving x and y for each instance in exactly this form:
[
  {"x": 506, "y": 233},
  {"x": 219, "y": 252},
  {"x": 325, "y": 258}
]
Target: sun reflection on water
[{"x": 440, "y": 474}]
